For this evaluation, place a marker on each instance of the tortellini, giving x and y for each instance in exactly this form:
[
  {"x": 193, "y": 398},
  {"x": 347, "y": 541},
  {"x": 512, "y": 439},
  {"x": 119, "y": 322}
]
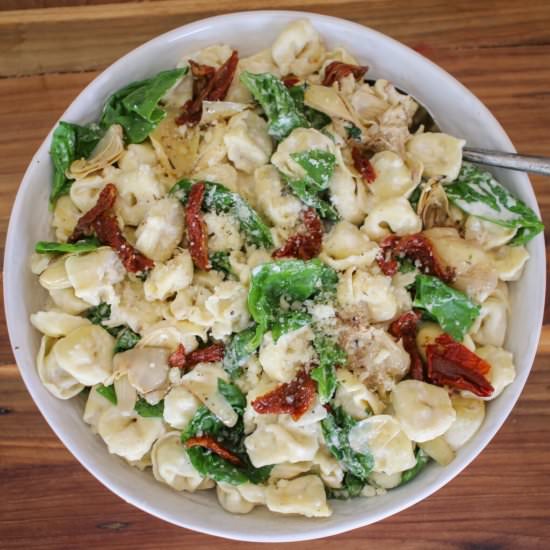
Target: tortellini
[
  {"x": 128, "y": 436},
  {"x": 94, "y": 275},
  {"x": 56, "y": 380},
  {"x": 282, "y": 359},
  {"x": 57, "y": 324},
  {"x": 346, "y": 246},
  {"x": 179, "y": 407},
  {"x": 166, "y": 279},
  {"x": 240, "y": 499},
  {"x": 65, "y": 216},
  {"x": 172, "y": 466},
  {"x": 502, "y": 372},
  {"x": 87, "y": 354},
  {"x": 440, "y": 154},
  {"x": 298, "y": 49},
  {"x": 354, "y": 397},
  {"x": 247, "y": 141},
  {"x": 303, "y": 495},
  {"x": 146, "y": 368},
  {"x": 161, "y": 230},
  {"x": 395, "y": 177},
  {"x": 391, "y": 216},
  {"x": 348, "y": 196}
]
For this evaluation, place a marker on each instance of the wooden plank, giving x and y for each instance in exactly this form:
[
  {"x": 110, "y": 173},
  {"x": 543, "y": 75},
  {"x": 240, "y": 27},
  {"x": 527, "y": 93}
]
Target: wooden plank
[{"x": 94, "y": 36}]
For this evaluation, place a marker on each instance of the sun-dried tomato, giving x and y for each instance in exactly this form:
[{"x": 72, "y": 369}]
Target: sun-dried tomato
[
  {"x": 452, "y": 364},
  {"x": 210, "y": 443},
  {"x": 386, "y": 258},
  {"x": 108, "y": 232},
  {"x": 178, "y": 357},
  {"x": 290, "y": 80},
  {"x": 337, "y": 70},
  {"x": 104, "y": 203},
  {"x": 363, "y": 165},
  {"x": 208, "y": 84},
  {"x": 417, "y": 248},
  {"x": 197, "y": 232},
  {"x": 293, "y": 398},
  {"x": 405, "y": 328},
  {"x": 209, "y": 354},
  {"x": 306, "y": 245}
]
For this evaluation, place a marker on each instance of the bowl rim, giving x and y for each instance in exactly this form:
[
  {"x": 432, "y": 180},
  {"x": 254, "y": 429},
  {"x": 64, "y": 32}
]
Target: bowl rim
[{"x": 312, "y": 530}]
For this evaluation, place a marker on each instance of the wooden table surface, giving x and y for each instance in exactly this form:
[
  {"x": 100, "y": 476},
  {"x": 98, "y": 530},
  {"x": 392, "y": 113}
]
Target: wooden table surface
[{"x": 50, "y": 49}]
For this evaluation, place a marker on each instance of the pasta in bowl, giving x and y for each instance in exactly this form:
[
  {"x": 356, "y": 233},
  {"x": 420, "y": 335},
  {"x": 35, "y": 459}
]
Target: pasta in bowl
[{"x": 265, "y": 285}]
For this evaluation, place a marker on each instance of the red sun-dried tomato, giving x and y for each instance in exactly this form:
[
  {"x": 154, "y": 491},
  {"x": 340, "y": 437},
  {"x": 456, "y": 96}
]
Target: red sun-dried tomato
[
  {"x": 405, "y": 328},
  {"x": 98, "y": 220},
  {"x": 290, "y": 80},
  {"x": 178, "y": 357},
  {"x": 183, "y": 360},
  {"x": 109, "y": 233},
  {"x": 293, "y": 398},
  {"x": 209, "y": 354},
  {"x": 337, "y": 70},
  {"x": 104, "y": 203},
  {"x": 209, "y": 84},
  {"x": 452, "y": 364},
  {"x": 362, "y": 164},
  {"x": 417, "y": 248},
  {"x": 197, "y": 232},
  {"x": 306, "y": 245},
  {"x": 386, "y": 258},
  {"x": 210, "y": 443}
]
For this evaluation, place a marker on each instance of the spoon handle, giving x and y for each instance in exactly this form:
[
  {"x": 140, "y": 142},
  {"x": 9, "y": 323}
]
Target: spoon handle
[{"x": 524, "y": 163}]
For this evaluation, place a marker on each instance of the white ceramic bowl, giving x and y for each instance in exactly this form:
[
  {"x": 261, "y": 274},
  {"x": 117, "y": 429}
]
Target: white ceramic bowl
[{"x": 458, "y": 112}]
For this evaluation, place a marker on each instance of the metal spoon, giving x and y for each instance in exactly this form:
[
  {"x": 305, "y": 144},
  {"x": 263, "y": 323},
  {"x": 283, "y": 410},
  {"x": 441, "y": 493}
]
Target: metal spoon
[{"x": 513, "y": 161}]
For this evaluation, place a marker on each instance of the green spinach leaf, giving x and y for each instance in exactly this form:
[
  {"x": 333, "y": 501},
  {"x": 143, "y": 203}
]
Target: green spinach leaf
[
  {"x": 422, "y": 460},
  {"x": 351, "y": 488},
  {"x": 147, "y": 410},
  {"x": 452, "y": 309},
  {"x": 220, "y": 199},
  {"x": 330, "y": 356},
  {"x": 220, "y": 262},
  {"x": 293, "y": 280},
  {"x": 126, "y": 339},
  {"x": 98, "y": 314},
  {"x": 136, "y": 106},
  {"x": 282, "y": 111},
  {"x": 317, "y": 119},
  {"x": 108, "y": 392},
  {"x": 336, "y": 427},
  {"x": 70, "y": 142},
  {"x": 288, "y": 321},
  {"x": 353, "y": 132},
  {"x": 48, "y": 247},
  {"x": 242, "y": 346},
  {"x": 479, "y": 194}
]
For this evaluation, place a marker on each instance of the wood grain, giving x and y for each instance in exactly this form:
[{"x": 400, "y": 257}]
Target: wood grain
[{"x": 501, "y": 51}]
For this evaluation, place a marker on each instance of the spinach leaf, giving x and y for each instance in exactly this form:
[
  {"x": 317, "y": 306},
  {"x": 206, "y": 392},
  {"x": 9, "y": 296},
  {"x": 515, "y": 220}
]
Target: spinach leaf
[
  {"x": 211, "y": 465},
  {"x": 126, "y": 338},
  {"x": 98, "y": 314},
  {"x": 353, "y": 132},
  {"x": 415, "y": 197},
  {"x": 135, "y": 107},
  {"x": 85, "y": 245},
  {"x": 220, "y": 262},
  {"x": 289, "y": 321},
  {"x": 479, "y": 194},
  {"x": 108, "y": 392},
  {"x": 406, "y": 265},
  {"x": 421, "y": 460},
  {"x": 69, "y": 143},
  {"x": 220, "y": 199},
  {"x": 282, "y": 111},
  {"x": 330, "y": 355},
  {"x": 336, "y": 427},
  {"x": 147, "y": 410},
  {"x": 241, "y": 347},
  {"x": 351, "y": 488},
  {"x": 452, "y": 309},
  {"x": 317, "y": 119},
  {"x": 293, "y": 280},
  {"x": 318, "y": 166}
]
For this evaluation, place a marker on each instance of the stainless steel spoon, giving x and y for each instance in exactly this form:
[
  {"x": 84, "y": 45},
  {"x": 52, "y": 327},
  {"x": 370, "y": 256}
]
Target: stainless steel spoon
[{"x": 513, "y": 161}]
